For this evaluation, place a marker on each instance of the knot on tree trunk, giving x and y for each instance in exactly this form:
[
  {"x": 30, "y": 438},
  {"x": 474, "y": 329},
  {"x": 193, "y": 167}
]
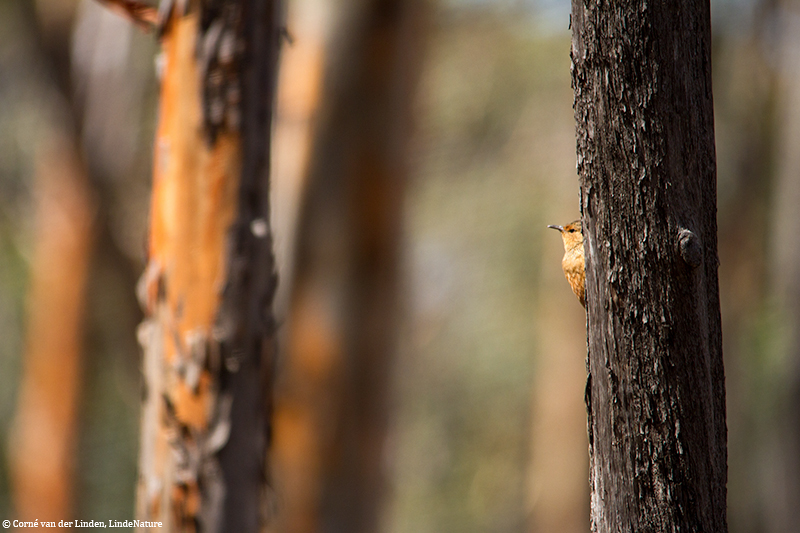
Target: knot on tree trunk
[{"x": 689, "y": 248}]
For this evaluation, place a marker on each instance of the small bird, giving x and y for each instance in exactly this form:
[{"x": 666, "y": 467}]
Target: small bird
[{"x": 573, "y": 262}]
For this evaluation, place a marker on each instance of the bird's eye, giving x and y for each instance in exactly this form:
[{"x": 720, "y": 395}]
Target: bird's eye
[{"x": 572, "y": 231}]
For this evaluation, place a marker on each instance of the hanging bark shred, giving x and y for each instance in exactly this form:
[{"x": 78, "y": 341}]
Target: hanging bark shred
[
  {"x": 641, "y": 75},
  {"x": 208, "y": 336}
]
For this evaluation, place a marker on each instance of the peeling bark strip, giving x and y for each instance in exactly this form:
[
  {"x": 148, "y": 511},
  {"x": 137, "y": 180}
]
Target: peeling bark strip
[
  {"x": 208, "y": 338},
  {"x": 645, "y": 140}
]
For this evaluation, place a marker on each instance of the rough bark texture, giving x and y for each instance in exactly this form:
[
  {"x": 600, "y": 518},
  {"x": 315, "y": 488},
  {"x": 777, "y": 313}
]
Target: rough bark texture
[
  {"x": 655, "y": 394},
  {"x": 209, "y": 334}
]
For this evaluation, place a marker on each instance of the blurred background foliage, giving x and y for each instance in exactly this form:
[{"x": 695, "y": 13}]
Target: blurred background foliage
[{"x": 487, "y": 424}]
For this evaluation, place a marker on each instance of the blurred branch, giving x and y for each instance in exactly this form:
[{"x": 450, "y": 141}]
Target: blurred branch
[{"x": 141, "y": 14}]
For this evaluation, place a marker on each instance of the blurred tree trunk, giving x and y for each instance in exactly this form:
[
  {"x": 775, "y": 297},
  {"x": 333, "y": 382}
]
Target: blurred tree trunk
[
  {"x": 299, "y": 94},
  {"x": 745, "y": 98},
  {"x": 332, "y": 416},
  {"x": 782, "y": 495},
  {"x": 295, "y": 453},
  {"x": 208, "y": 338},
  {"x": 45, "y": 428},
  {"x": 45, "y": 432},
  {"x": 656, "y": 392},
  {"x": 558, "y": 492}
]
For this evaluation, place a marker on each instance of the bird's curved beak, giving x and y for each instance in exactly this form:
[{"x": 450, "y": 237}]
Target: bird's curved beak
[{"x": 559, "y": 228}]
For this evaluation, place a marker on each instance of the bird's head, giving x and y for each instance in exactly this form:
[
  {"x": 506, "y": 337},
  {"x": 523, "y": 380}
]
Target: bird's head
[{"x": 571, "y": 234}]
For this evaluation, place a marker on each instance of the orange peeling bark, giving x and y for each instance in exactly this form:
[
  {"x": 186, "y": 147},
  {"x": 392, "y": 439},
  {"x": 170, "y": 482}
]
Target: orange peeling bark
[{"x": 194, "y": 204}]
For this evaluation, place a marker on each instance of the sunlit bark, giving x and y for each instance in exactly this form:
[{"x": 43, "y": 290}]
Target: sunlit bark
[{"x": 208, "y": 338}]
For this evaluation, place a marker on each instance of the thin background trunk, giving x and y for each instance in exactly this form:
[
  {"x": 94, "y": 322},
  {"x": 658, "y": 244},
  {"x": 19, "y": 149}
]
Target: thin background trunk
[
  {"x": 45, "y": 433},
  {"x": 781, "y": 495},
  {"x": 72, "y": 189},
  {"x": 656, "y": 392},
  {"x": 334, "y": 400},
  {"x": 558, "y": 492},
  {"x": 45, "y": 430}
]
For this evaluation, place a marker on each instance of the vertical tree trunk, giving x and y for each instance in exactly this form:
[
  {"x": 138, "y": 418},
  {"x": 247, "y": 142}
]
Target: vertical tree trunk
[
  {"x": 209, "y": 334},
  {"x": 782, "y": 487},
  {"x": 375, "y": 108},
  {"x": 343, "y": 321},
  {"x": 45, "y": 433},
  {"x": 558, "y": 493},
  {"x": 655, "y": 395}
]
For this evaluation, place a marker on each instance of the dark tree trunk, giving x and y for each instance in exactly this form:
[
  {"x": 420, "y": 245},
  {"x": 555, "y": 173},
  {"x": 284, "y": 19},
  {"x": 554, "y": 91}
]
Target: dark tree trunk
[
  {"x": 655, "y": 393},
  {"x": 248, "y": 295}
]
